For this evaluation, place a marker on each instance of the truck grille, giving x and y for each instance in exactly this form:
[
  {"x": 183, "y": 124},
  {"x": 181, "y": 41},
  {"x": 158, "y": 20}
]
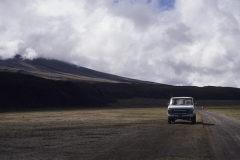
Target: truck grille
[{"x": 181, "y": 111}]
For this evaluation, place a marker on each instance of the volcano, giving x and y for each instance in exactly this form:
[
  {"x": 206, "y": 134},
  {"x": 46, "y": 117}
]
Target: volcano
[{"x": 58, "y": 70}]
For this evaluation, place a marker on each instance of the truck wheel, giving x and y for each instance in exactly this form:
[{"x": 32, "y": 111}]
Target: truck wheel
[
  {"x": 194, "y": 120},
  {"x": 169, "y": 120}
]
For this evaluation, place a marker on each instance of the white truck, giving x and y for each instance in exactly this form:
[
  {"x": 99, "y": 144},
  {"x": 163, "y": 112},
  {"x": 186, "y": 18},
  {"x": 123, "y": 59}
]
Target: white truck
[{"x": 181, "y": 108}]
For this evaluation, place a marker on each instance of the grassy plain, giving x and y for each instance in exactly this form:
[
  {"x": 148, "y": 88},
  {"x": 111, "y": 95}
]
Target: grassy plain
[
  {"x": 88, "y": 133},
  {"x": 232, "y": 111}
]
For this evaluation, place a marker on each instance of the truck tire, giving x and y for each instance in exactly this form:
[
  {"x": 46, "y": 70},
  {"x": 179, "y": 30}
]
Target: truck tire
[
  {"x": 194, "y": 120},
  {"x": 169, "y": 120}
]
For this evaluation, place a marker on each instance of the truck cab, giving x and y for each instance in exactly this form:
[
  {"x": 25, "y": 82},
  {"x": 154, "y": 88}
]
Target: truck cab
[{"x": 181, "y": 108}]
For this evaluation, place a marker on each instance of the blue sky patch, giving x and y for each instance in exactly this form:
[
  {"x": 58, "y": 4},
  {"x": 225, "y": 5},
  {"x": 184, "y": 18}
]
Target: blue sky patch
[
  {"x": 162, "y": 4},
  {"x": 166, "y": 4}
]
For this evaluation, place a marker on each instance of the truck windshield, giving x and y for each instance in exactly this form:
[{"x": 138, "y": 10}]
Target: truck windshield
[{"x": 181, "y": 101}]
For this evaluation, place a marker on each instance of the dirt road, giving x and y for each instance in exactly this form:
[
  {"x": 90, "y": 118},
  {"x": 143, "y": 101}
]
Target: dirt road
[{"x": 223, "y": 135}]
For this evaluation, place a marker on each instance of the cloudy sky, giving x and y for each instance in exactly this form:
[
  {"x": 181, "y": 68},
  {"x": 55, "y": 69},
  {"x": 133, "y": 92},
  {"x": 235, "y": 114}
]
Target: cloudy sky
[{"x": 179, "y": 42}]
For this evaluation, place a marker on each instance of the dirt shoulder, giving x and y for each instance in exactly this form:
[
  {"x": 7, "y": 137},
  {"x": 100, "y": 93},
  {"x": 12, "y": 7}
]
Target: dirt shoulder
[{"x": 223, "y": 135}]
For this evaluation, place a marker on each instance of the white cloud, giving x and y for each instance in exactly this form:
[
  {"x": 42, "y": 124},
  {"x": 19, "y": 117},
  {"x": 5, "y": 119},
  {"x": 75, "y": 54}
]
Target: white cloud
[
  {"x": 193, "y": 43},
  {"x": 30, "y": 54},
  {"x": 9, "y": 49}
]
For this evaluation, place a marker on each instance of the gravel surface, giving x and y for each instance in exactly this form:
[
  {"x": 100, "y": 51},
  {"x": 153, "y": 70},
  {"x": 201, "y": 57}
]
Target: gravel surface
[{"x": 223, "y": 135}]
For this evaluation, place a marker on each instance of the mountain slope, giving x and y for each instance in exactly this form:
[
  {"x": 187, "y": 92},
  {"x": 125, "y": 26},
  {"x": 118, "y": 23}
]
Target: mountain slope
[
  {"x": 57, "y": 70},
  {"x": 21, "y": 91}
]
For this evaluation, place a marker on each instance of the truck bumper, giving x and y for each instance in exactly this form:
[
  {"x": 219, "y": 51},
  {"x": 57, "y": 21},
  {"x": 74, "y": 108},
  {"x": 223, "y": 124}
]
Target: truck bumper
[{"x": 181, "y": 116}]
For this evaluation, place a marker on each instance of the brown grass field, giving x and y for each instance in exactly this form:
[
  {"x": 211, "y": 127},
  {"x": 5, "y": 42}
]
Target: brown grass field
[
  {"x": 232, "y": 111},
  {"x": 88, "y": 133}
]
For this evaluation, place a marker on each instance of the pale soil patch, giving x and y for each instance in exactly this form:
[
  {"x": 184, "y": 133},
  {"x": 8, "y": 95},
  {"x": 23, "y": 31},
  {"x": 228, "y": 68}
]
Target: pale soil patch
[{"x": 96, "y": 133}]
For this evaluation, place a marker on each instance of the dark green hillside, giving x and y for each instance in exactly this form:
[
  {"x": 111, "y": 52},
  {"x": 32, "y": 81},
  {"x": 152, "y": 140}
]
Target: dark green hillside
[
  {"x": 122, "y": 91},
  {"x": 20, "y": 91}
]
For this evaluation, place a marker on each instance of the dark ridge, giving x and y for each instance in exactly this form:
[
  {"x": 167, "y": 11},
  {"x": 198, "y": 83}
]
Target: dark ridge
[
  {"x": 54, "y": 69},
  {"x": 20, "y": 91},
  {"x": 123, "y": 91}
]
